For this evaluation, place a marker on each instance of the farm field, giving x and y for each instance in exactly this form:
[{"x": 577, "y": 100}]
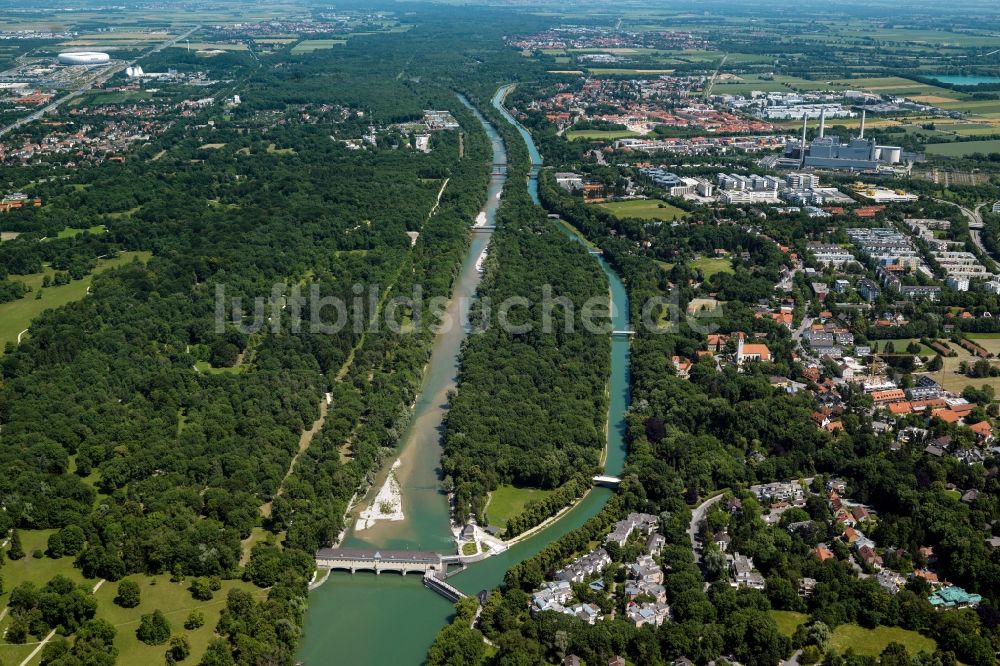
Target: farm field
[
  {"x": 644, "y": 209},
  {"x": 962, "y": 148},
  {"x": 17, "y": 315},
  {"x": 615, "y": 70},
  {"x": 949, "y": 377},
  {"x": 206, "y": 46},
  {"x": 599, "y": 135},
  {"x": 508, "y": 501},
  {"x": 310, "y": 45}
]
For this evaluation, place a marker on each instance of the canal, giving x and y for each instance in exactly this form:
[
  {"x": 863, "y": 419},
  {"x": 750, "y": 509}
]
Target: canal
[{"x": 390, "y": 619}]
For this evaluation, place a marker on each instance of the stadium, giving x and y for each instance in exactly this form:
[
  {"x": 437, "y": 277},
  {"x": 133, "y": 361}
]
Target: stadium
[{"x": 83, "y": 58}]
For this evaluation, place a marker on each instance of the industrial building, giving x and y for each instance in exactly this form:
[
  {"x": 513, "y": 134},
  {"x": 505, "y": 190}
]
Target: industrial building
[
  {"x": 827, "y": 152},
  {"x": 83, "y": 58}
]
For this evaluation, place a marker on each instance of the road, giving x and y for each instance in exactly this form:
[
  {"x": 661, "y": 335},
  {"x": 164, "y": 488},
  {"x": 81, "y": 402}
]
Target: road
[
  {"x": 975, "y": 219},
  {"x": 715, "y": 75},
  {"x": 698, "y": 515},
  {"x": 98, "y": 79}
]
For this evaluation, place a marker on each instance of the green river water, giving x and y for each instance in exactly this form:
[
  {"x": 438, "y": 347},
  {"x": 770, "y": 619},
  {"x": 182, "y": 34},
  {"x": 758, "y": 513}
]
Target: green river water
[{"x": 391, "y": 620}]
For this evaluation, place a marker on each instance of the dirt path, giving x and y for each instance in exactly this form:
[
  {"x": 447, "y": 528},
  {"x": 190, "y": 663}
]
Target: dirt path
[{"x": 304, "y": 441}]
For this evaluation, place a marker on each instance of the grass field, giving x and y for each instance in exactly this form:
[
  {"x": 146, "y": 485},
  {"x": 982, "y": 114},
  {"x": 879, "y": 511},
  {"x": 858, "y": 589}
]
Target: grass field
[
  {"x": 962, "y": 148},
  {"x": 507, "y": 501},
  {"x": 644, "y": 209},
  {"x": 788, "y": 621},
  {"x": 157, "y": 592},
  {"x": 866, "y": 642},
  {"x": 70, "y": 233},
  {"x": 310, "y": 45},
  {"x": 709, "y": 266},
  {"x": 206, "y": 367},
  {"x": 900, "y": 346},
  {"x": 174, "y": 600},
  {"x": 949, "y": 377},
  {"x": 17, "y": 315},
  {"x": 871, "y": 642},
  {"x": 208, "y": 46},
  {"x": 616, "y": 70},
  {"x": 599, "y": 135}
]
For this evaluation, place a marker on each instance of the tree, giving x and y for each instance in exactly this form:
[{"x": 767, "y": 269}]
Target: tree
[
  {"x": 895, "y": 654},
  {"x": 201, "y": 589},
  {"x": 217, "y": 654},
  {"x": 195, "y": 620},
  {"x": 128, "y": 594},
  {"x": 16, "y": 550},
  {"x": 179, "y": 649},
  {"x": 154, "y": 628}
]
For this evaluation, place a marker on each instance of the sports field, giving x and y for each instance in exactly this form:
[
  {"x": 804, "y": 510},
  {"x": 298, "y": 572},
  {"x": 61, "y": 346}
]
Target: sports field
[{"x": 644, "y": 209}]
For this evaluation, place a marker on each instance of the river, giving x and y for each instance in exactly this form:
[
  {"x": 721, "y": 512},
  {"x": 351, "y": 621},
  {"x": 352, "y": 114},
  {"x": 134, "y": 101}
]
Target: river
[{"x": 391, "y": 619}]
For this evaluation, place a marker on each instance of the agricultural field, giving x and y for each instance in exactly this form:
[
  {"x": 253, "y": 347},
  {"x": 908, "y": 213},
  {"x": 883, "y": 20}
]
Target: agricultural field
[
  {"x": 508, "y": 501},
  {"x": 208, "y": 46},
  {"x": 16, "y": 316},
  {"x": 616, "y": 70},
  {"x": 963, "y": 148},
  {"x": 644, "y": 209},
  {"x": 949, "y": 377},
  {"x": 599, "y": 135},
  {"x": 310, "y": 45}
]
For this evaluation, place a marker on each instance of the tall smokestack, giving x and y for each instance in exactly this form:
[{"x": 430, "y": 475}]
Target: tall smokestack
[
  {"x": 862, "y": 135},
  {"x": 802, "y": 146},
  {"x": 822, "y": 122}
]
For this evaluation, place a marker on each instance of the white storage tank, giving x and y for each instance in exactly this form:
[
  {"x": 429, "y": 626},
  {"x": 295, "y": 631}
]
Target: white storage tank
[
  {"x": 84, "y": 58},
  {"x": 890, "y": 154}
]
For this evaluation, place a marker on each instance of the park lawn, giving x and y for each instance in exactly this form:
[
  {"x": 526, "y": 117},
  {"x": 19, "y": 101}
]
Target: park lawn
[
  {"x": 257, "y": 535},
  {"x": 310, "y": 45},
  {"x": 709, "y": 266},
  {"x": 206, "y": 367},
  {"x": 788, "y": 621},
  {"x": 470, "y": 548},
  {"x": 211, "y": 146},
  {"x": 508, "y": 501},
  {"x": 16, "y": 316},
  {"x": 69, "y": 232},
  {"x": 871, "y": 642},
  {"x": 274, "y": 150},
  {"x": 599, "y": 135},
  {"x": 173, "y": 600},
  {"x": 644, "y": 209},
  {"x": 31, "y": 570}
]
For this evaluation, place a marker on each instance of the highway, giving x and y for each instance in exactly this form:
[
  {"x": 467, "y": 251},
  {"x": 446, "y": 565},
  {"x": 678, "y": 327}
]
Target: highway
[
  {"x": 99, "y": 78},
  {"x": 975, "y": 229}
]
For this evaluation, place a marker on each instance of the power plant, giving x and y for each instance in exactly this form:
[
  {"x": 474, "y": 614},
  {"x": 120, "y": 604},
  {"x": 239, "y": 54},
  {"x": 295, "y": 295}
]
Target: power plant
[{"x": 858, "y": 154}]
